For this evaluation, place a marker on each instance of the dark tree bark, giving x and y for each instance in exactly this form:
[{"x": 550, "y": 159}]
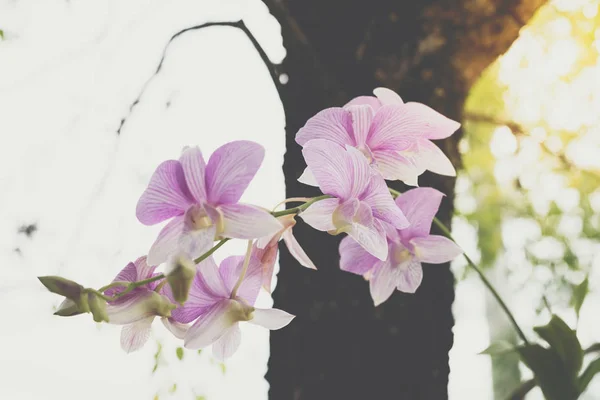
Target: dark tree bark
[{"x": 340, "y": 346}]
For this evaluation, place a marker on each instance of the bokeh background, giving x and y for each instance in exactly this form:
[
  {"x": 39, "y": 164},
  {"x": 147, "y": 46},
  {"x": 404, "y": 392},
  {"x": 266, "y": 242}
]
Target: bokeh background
[{"x": 527, "y": 197}]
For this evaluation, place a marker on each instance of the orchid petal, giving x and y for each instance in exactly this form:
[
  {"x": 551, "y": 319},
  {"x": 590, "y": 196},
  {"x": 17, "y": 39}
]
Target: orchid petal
[
  {"x": 371, "y": 238},
  {"x": 430, "y": 157},
  {"x": 319, "y": 215},
  {"x": 166, "y": 196},
  {"x": 296, "y": 250},
  {"x": 195, "y": 242},
  {"x": 361, "y": 171},
  {"x": 271, "y": 318},
  {"x": 379, "y": 198},
  {"x": 364, "y": 100},
  {"x": 210, "y": 326},
  {"x": 362, "y": 115},
  {"x": 135, "y": 335},
  {"x": 230, "y": 169},
  {"x": 411, "y": 277},
  {"x": 435, "y": 249},
  {"x": 227, "y": 344},
  {"x": 266, "y": 257},
  {"x": 419, "y": 206},
  {"x": 167, "y": 242},
  {"x": 332, "y": 124},
  {"x": 308, "y": 178},
  {"x": 330, "y": 166},
  {"x": 194, "y": 169},
  {"x": 393, "y": 166},
  {"x": 178, "y": 329},
  {"x": 387, "y": 96},
  {"x": 231, "y": 269},
  {"x": 354, "y": 258},
  {"x": 395, "y": 127},
  {"x": 383, "y": 282},
  {"x": 430, "y": 123},
  {"x": 127, "y": 274},
  {"x": 242, "y": 221}
]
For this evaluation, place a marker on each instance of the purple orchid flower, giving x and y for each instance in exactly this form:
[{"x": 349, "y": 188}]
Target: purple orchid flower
[
  {"x": 361, "y": 201},
  {"x": 137, "y": 309},
  {"x": 407, "y": 248},
  {"x": 202, "y": 200},
  {"x": 265, "y": 250},
  {"x": 394, "y": 136},
  {"x": 217, "y": 311}
]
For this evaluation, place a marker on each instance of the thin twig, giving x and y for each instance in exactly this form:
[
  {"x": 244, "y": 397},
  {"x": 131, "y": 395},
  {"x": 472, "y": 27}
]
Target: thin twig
[{"x": 272, "y": 68}]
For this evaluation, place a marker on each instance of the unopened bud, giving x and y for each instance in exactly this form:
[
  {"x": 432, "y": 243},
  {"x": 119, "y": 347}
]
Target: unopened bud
[
  {"x": 160, "y": 305},
  {"x": 97, "y": 306},
  {"x": 64, "y": 287},
  {"x": 180, "y": 278},
  {"x": 68, "y": 308}
]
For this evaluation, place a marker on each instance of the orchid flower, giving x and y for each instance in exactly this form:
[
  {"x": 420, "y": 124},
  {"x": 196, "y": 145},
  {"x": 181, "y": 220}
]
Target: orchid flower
[
  {"x": 408, "y": 247},
  {"x": 137, "y": 309},
  {"x": 265, "y": 250},
  {"x": 394, "y": 136},
  {"x": 219, "y": 301},
  {"x": 201, "y": 200},
  {"x": 361, "y": 201}
]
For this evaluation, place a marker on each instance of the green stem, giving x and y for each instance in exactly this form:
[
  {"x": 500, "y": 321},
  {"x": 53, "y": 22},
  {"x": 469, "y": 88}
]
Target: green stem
[
  {"x": 134, "y": 285},
  {"x": 299, "y": 209},
  {"x": 211, "y": 251},
  {"x": 244, "y": 270},
  {"x": 485, "y": 281}
]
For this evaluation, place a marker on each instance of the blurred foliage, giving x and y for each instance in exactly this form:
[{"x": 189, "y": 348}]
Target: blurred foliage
[
  {"x": 531, "y": 153},
  {"x": 530, "y": 186}
]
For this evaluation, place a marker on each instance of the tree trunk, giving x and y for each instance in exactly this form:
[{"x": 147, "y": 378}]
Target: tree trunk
[{"x": 340, "y": 346}]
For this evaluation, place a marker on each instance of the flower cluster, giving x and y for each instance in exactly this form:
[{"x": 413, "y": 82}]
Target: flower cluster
[{"x": 350, "y": 151}]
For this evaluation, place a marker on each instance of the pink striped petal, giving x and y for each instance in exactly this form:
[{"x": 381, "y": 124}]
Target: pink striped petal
[
  {"x": 411, "y": 277},
  {"x": 194, "y": 243},
  {"x": 362, "y": 115},
  {"x": 430, "y": 123},
  {"x": 227, "y": 344},
  {"x": 361, "y": 172},
  {"x": 194, "y": 169},
  {"x": 231, "y": 269},
  {"x": 167, "y": 242},
  {"x": 383, "y": 282},
  {"x": 354, "y": 258},
  {"x": 387, "y": 96},
  {"x": 320, "y": 214},
  {"x": 371, "y": 238},
  {"x": 332, "y": 124},
  {"x": 271, "y": 318},
  {"x": 242, "y": 221},
  {"x": 394, "y": 126},
  {"x": 134, "y": 336},
  {"x": 419, "y": 206},
  {"x": 308, "y": 178},
  {"x": 435, "y": 249},
  {"x": 167, "y": 194},
  {"x": 210, "y": 326},
  {"x": 230, "y": 169},
  {"x": 330, "y": 165},
  {"x": 296, "y": 250},
  {"x": 133, "y": 307},
  {"x": 364, "y": 100},
  {"x": 382, "y": 203},
  {"x": 393, "y": 166},
  {"x": 178, "y": 329},
  {"x": 431, "y": 158}
]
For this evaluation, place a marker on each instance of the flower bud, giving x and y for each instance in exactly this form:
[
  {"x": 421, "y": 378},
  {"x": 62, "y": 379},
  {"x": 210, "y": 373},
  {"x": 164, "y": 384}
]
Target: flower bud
[
  {"x": 64, "y": 287},
  {"x": 97, "y": 307},
  {"x": 180, "y": 278},
  {"x": 68, "y": 308}
]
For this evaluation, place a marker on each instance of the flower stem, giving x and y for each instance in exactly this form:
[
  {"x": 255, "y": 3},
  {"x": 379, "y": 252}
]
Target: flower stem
[
  {"x": 299, "y": 209},
  {"x": 211, "y": 251},
  {"x": 486, "y": 282},
  {"x": 244, "y": 270},
  {"x": 134, "y": 285}
]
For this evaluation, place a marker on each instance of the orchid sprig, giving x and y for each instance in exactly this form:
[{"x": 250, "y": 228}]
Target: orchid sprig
[{"x": 350, "y": 152}]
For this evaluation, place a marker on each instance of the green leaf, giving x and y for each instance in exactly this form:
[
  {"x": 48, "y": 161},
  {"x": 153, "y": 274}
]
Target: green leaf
[
  {"x": 200, "y": 397},
  {"x": 179, "y": 352},
  {"x": 550, "y": 372},
  {"x": 564, "y": 342},
  {"x": 579, "y": 293},
  {"x": 1, "y": 34},
  {"x": 499, "y": 347},
  {"x": 173, "y": 388},
  {"x": 588, "y": 375}
]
